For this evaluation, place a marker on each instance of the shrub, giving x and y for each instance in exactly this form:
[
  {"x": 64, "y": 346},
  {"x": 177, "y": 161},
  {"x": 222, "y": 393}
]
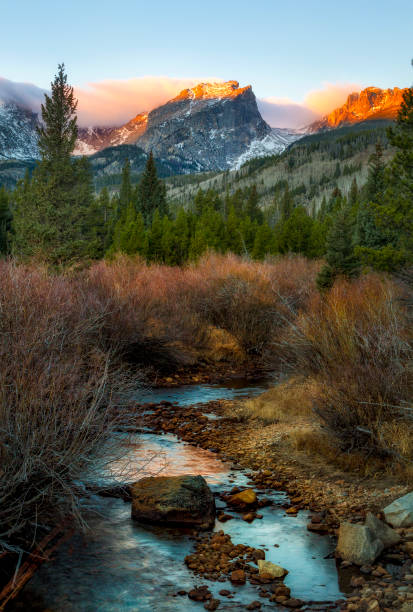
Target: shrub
[
  {"x": 56, "y": 417},
  {"x": 357, "y": 342}
]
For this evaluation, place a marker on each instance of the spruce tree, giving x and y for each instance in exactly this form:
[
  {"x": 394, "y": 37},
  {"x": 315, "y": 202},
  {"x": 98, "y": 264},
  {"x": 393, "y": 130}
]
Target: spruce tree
[
  {"x": 340, "y": 257},
  {"x": 5, "y": 221},
  {"x": 152, "y": 192},
  {"x": 51, "y": 219},
  {"x": 252, "y": 208},
  {"x": 125, "y": 193}
]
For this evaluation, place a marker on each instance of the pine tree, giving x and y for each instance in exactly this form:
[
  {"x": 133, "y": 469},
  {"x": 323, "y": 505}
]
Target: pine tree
[
  {"x": 353, "y": 193},
  {"x": 5, "y": 221},
  {"x": 397, "y": 208},
  {"x": 375, "y": 184},
  {"x": 294, "y": 234},
  {"x": 252, "y": 208},
  {"x": 155, "y": 251},
  {"x": 340, "y": 257},
  {"x": 152, "y": 192},
  {"x": 51, "y": 219},
  {"x": 287, "y": 204},
  {"x": 125, "y": 193},
  {"x": 264, "y": 242}
]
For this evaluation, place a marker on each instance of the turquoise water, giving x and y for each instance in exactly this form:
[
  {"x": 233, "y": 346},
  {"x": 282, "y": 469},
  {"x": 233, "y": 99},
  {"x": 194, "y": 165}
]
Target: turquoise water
[{"x": 123, "y": 566}]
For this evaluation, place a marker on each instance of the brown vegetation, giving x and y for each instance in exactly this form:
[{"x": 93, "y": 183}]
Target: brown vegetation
[{"x": 63, "y": 338}]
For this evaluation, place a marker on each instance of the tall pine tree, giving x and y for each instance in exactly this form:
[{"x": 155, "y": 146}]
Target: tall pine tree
[
  {"x": 152, "y": 193},
  {"x": 51, "y": 219}
]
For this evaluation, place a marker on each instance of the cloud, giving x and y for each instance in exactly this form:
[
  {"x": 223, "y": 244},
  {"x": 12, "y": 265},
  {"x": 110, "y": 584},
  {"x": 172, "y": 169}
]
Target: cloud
[
  {"x": 331, "y": 96},
  {"x": 113, "y": 102},
  {"x": 25, "y": 94},
  {"x": 282, "y": 112},
  {"x": 285, "y": 113}
]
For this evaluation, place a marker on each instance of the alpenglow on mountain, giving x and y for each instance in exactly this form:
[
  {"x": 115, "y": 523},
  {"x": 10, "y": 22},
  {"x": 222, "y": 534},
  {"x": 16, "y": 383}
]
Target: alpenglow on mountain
[
  {"x": 370, "y": 104},
  {"x": 213, "y": 126}
]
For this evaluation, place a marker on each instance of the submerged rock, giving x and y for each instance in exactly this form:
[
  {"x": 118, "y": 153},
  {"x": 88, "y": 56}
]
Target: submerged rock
[
  {"x": 243, "y": 499},
  {"x": 173, "y": 500},
  {"x": 400, "y": 512},
  {"x": 358, "y": 544},
  {"x": 271, "y": 569}
]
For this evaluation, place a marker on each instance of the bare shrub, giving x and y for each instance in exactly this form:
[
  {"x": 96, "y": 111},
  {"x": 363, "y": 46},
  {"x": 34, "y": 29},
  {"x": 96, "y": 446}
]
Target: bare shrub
[
  {"x": 357, "y": 342},
  {"x": 56, "y": 419},
  {"x": 253, "y": 301}
]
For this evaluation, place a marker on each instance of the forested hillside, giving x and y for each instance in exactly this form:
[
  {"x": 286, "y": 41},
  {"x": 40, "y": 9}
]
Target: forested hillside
[{"x": 312, "y": 167}]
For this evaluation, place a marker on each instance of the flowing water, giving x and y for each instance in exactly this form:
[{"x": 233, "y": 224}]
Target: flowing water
[{"x": 121, "y": 565}]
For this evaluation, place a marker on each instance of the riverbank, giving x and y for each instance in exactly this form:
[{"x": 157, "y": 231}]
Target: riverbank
[{"x": 330, "y": 494}]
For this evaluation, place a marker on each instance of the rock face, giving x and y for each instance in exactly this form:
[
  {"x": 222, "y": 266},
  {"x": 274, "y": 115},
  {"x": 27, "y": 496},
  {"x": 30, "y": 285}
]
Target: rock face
[
  {"x": 212, "y": 124},
  {"x": 400, "y": 512},
  {"x": 358, "y": 544},
  {"x": 18, "y": 136},
  {"x": 93, "y": 139},
  {"x": 371, "y": 103},
  {"x": 173, "y": 500}
]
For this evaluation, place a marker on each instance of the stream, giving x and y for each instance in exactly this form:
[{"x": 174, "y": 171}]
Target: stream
[{"x": 122, "y": 565}]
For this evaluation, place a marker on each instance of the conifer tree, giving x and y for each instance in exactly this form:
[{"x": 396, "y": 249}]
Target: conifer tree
[
  {"x": 252, "y": 208},
  {"x": 264, "y": 242},
  {"x": 51, "y": 212},
  {"x": 125, "y": 193},
  {"x": 155, "y": 252},
  {"x": 152, "y": 193},
  {"x": 5, "y": 221},
  {"x": 340, "y": 257}
]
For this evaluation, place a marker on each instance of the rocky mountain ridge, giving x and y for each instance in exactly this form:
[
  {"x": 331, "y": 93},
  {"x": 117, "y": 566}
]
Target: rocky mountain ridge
[{"x": 369, "y": 104}]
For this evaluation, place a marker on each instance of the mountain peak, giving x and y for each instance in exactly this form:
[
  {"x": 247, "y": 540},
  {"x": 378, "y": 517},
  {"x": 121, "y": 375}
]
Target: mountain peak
[
  {"x": 370, "y": 103},
  {"x": 209, "y": 91}
]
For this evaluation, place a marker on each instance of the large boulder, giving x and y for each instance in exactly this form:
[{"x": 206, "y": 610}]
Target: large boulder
[
  {"x": 358, "y": 544},
  {"x": 400, "y": 512},
  {"x": 381, "y": 531},
  {"x": 173, "y": 500}
]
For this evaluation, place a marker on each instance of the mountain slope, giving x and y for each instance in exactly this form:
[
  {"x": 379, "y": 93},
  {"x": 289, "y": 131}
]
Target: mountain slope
[
  {"x": 213, "y": 126},
  {"x": 371, "y": 103},
  {"x": 18, "y": 136}
]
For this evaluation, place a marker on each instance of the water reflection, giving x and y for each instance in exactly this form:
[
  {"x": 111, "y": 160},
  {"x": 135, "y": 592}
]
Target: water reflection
[{"x": 124, "y": 566}]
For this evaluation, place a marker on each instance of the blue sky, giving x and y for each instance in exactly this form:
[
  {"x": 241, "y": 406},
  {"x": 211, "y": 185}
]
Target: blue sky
[{"x": 283, "y": 50}]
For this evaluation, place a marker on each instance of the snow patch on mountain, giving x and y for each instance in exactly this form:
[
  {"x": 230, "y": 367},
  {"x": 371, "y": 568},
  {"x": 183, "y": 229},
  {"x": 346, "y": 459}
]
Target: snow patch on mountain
[{"x": 273, "y": 143}]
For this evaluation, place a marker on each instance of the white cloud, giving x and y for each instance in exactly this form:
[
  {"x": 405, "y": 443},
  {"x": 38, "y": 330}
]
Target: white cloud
[
  {"x": 25, "y": 94},
  {"x": 113, "y": 102}
]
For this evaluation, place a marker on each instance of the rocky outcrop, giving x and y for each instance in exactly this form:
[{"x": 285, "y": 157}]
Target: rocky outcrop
[
  {"x": 173, "y": 500},
  {"x": 400, "y": 512},
  {"x": 18, "y": 135},
  {"x": 371, "y": 103},
  {"x": 211, "y": 124}
]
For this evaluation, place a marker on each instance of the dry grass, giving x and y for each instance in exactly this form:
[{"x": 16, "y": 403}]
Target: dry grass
[{"x": 288, "y": 402}]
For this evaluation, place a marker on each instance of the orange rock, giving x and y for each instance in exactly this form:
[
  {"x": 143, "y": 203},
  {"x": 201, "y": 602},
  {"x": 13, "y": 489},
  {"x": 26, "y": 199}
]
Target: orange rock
[
  {"x": 238, "y": 577},
  {"x": 244, "y": 498}
]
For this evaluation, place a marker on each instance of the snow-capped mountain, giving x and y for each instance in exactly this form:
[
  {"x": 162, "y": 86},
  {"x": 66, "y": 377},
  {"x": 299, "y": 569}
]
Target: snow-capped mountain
[
  {"x": 18, "y": 136},
  {"x": 213, "y": 126}
]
